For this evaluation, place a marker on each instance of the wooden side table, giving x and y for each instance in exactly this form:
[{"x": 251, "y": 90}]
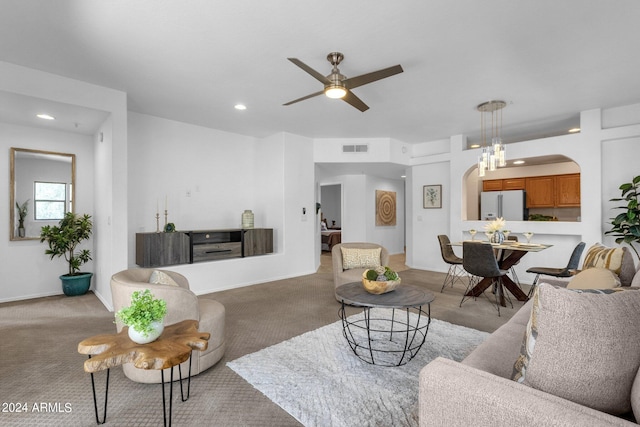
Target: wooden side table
[{"x": 172, "y": 348}]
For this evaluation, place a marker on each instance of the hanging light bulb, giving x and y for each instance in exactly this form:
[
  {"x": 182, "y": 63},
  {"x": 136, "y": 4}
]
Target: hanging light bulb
[
  {"x": 481, "y": 166},
  {"x": 493, "y": 153}
]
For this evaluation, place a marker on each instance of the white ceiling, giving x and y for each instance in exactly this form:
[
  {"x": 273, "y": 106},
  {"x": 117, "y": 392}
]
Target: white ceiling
[{"x": 192, "y": 61}]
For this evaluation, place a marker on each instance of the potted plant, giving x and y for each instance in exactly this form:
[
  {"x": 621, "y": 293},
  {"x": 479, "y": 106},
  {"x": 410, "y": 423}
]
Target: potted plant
[
  {"x": 63, "y": 239},
  {"x": 22, "y": 214},
  {"x": 144, "y": 316},
  {"x": 626, "y": 226}
]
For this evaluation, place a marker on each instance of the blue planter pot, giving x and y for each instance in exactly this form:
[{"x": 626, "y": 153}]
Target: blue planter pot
[{"x": 78, "y": 284}]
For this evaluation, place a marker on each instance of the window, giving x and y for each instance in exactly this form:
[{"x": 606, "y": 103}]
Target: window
[{"x": 50, "y": 200}]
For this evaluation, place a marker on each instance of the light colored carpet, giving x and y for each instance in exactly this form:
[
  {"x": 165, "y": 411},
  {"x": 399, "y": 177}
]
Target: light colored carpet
[{"x": 317, "y": 379}]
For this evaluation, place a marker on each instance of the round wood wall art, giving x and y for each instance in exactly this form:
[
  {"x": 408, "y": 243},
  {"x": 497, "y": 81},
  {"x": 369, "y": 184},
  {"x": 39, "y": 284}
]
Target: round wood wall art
[{"x": 385, "y": 208}]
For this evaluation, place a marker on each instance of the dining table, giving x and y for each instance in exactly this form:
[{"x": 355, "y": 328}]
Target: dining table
[{"x": 508, "y": 253}]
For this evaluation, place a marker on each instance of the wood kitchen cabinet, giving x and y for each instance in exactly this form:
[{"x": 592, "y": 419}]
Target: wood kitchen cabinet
[
  {"x": 503, "y": 184},
  {"x": 568, "y": 190},
  {"x": 540, "y": 191},
  {"x": 513, "y": 184},
  {"x": 492, "y": 185},
  {"x": 559, "y": 191}
]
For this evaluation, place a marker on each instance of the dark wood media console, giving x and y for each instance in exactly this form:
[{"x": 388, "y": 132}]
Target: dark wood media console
[{"x": 185, "y": 247}]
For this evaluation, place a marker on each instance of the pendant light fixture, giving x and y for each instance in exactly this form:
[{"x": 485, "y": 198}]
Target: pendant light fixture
[{"x": 493, "y": 150}]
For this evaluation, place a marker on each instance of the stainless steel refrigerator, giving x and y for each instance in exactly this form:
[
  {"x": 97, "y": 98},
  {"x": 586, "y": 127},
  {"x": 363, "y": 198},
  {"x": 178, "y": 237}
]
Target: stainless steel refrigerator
[{"x": 509, "y": 205}]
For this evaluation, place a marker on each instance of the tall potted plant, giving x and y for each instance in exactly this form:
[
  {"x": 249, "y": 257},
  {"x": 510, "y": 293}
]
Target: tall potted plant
[
  {"x": 22, "y": 214},
  {"x": 63, "y": 239},
  {"x": 626, "y": 226}
]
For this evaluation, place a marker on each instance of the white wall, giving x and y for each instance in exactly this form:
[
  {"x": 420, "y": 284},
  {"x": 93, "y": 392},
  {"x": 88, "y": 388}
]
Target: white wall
[
  {"x": 30, "y": 273},
  {"x": 392, "y": 237},
  {"x": 359, "y": 210},
  {"x": 108, "y": 182},
  {"x": 209, "y": 178}
]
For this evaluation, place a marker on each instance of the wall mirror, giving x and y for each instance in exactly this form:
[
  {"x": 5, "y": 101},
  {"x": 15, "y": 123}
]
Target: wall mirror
[{"x": 41, "y": 190}]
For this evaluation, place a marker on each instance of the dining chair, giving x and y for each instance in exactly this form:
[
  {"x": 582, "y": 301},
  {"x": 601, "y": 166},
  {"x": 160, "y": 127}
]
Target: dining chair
[
  {"x": 479, "y": 260},
  {"x": 456, "y": 271},
  {"x": 512, "y": 270},
  {"x": 567, "y": 271}
]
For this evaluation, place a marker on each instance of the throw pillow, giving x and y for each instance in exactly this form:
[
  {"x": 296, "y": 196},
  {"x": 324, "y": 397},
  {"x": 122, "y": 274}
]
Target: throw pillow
[
  {"x": 594, "y": 278},
  {"x": 161, "y": 278},
  {"x": 628, "y": 268},
  {"x": 599, "y": 256},
  {"x": 360, "y": 258},
  {"x": 583, "y": 345}
]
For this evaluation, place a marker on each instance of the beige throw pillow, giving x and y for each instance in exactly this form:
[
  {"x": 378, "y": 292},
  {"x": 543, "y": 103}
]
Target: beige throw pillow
[
  {"x": 583, "y": 346},
  {"x": 161, "y": 278},
  {"x": 594, "y": 278},
  {"x": 360, "y": 258}
]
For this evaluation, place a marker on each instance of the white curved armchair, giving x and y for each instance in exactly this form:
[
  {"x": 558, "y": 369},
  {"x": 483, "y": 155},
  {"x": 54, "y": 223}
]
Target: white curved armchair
[{"x": 182, "y": 304}]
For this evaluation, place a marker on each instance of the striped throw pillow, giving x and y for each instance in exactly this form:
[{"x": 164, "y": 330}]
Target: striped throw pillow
[{"x": 600, "y": 256}]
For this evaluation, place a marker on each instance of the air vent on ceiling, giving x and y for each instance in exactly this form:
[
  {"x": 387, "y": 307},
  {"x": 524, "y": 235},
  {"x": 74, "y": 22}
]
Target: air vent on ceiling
[{"x": 362, "y": 148}]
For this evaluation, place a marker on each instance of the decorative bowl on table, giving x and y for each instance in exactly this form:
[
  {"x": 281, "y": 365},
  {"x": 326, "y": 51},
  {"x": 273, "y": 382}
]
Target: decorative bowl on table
[{"x": 380, "y": 280}]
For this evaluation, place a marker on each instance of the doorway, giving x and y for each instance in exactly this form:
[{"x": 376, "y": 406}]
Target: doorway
[{"x": 331, "y": 202}]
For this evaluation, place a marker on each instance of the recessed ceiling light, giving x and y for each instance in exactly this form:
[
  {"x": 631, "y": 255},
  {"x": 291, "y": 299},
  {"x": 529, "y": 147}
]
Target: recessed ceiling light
[
  {"x": 518, "y": 162},
  {"x": 403, "y": 176},
  {"x": 474, "y": 146},
  {"x": 574, "y": 130},
  {"x": 240, "y": 107},
  {"x": 45, "y": 116}
]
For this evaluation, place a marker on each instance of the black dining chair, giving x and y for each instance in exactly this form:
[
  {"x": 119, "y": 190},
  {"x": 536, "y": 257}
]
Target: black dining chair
[
  {"x": 456, "y": 271},
  {"x": 479, "y": 260},
  {"x": 567, "y": 271},
  {"x": 512, "y": 270}
]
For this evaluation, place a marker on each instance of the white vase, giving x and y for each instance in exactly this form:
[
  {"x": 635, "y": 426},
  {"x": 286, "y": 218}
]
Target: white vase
[{"x": 156, "y": 330}]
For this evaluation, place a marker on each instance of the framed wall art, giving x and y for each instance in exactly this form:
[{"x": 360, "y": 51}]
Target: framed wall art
[
  {"x": 432, "y": 196},
  {"x": 385, "y": 208}
]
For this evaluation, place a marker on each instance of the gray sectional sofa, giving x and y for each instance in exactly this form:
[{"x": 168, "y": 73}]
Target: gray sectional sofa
[{"x": 480, "y": 390}]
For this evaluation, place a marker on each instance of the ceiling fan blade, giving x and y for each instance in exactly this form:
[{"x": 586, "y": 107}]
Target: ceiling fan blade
[
  {"x": 304, "y": 97},
  {"x": 354, "y": 101},
  {"x": 322, "y": 79},
  {"x": 364, "y": 79}
]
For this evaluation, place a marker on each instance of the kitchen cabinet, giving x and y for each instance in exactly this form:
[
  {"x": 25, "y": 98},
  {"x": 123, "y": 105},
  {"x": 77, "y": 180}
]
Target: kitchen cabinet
[
  {"x": 492, "y": 185},
  {"x": 513, "y": 184},
  {"x": 550, "y": 191},
  {"x": 568, "y": 190},
  {"x": 503, "y": 184},
  {"x": 540, "y": 191},
  {"x": 553, "y": 191}
]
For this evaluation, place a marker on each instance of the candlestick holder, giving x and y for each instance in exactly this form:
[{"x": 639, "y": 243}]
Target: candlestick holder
[
  {"x": 157, "y": 222},
  {"x": 165, "y": 218}
]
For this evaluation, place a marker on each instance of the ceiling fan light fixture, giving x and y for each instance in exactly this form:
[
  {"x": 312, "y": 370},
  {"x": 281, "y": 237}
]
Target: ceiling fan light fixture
[{"x": 335, "y": 91}]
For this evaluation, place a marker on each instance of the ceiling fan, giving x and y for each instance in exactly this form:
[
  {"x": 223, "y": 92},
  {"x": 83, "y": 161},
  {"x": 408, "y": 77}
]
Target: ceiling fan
[{"x": 337, "y": 85}]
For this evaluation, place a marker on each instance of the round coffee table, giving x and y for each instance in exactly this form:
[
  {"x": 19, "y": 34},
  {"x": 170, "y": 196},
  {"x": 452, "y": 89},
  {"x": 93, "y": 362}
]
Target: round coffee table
[{"x": 386, "y": 337}]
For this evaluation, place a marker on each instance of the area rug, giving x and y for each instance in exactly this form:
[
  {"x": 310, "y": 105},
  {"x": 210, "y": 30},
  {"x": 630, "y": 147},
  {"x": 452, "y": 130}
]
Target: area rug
[{"x": 317, "y": 379}]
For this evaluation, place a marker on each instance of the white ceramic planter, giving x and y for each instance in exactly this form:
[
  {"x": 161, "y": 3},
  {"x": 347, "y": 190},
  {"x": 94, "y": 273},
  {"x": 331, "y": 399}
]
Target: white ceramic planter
[{"x": 140, "y": 338}]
